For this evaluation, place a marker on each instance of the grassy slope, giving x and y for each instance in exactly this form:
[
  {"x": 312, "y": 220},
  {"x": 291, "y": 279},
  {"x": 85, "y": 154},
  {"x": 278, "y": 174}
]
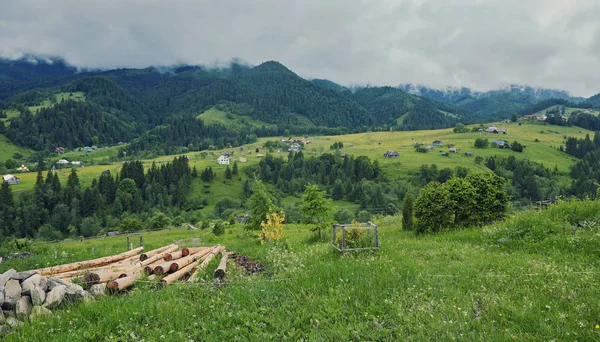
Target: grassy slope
[
  {"x": 11, "y": 113},
  {"x": 568, "y": 111},
  {"x": 7, "y": 149},
  {"x": 449, "y": 286},
  {"x": 375, "y": 144},
  {"x": 59, "y": 97},
  {"x": 369, "y": 144},
  {"x": 231, "y": 121}
]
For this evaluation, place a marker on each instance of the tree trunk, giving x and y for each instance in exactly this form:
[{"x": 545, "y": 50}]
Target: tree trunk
[
  {"x": 207, "y": 260},
  {"x": 151, "y": 253},
  {"x": 176, "y": 255},
  {"x": 122, "y": 283},
  {"x": 159, "y": 256},
  {"x": 221, "y": 271},
  {"x": 88, "y": 264}
]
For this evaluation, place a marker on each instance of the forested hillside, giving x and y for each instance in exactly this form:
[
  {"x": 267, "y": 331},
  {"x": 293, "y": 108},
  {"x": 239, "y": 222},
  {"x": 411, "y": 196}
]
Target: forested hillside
[
  {"x": 491, "y": 105},
  {"x": 31, "y": 72},
  {"x": 158, "y": 109},
  {"x": 388, "y": 104}
]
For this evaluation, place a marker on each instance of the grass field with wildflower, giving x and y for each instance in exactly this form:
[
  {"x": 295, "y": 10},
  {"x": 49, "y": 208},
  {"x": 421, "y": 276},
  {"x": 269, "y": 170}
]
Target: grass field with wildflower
[{"x": 533, "y": 277}]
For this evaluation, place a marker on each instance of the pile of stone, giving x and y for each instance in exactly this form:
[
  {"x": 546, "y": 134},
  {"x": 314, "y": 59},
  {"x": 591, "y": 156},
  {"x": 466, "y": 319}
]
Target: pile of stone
[
  {"x": 26, "y": 295},
  {"x": 29, "y": 294}
]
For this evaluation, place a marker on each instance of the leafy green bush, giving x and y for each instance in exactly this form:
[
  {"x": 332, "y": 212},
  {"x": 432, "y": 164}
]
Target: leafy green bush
[
  {"x": 343, "y": 216},
  {"x": 218, "y": 228}
]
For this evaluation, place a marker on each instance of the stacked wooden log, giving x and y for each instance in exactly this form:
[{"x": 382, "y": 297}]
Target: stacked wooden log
[{"x": 37, "y": 292}]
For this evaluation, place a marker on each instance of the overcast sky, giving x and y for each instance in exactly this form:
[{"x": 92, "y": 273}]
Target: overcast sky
[{"x": 474, "y": 43}]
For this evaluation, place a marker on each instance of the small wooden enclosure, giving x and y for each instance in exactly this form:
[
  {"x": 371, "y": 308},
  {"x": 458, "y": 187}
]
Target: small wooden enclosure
[{"x": 355, "y": 237}]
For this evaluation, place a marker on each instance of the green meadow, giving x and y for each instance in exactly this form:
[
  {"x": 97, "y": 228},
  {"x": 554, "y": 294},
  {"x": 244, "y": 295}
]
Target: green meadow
[
  {"x": 372, "y": 144},
  {"x": 229, "y": 120},
  {"x": 458, "y": 285},
  {"x": 568, "y": 111},
  {"x": 8, "y": 149}
]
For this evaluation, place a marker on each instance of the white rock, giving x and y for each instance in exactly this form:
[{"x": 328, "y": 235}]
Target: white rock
[
  {"x": 85, "y": 296},
  {"x": 13, "y": 322},
  {"x": 12, "y": 293},
  {"x": 34, "y": 287},
  {"x": 98, "y": 290},
  {"x": 23, "y": 307},
  {"x": 5, "y": 277},
  {"x": 20, "y": 276},
  {"x": 55, "y": 297},
  {"x": 53, "y": 282},
  {"x": 39, "y": 311}
]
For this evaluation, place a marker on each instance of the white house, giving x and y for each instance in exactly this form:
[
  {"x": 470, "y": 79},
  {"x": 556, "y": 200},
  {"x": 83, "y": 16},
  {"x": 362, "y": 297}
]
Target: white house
[
  {"x": 62, "y": 162},
  {"x": 223, "y": 160},
  {"x": 76, "y": 163},
  {"x": 10, "y": 179}
]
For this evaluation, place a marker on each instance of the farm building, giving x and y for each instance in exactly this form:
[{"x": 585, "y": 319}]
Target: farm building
[
  {"x": 499, "y": 143},
  {"x": 223, "y": 160},
  {"x": 62, "y": 162},
  {"x": 295, "y": 147},
  {"x": 60, "y": 150},
  {"x": 452, "y": 149},
  {"x": 10, "y": 179},
  {"x": 76, "y": 163},
  {"x": 228, "y": 154},
  {"x": 23, "y": 168},
  {"x": 496, "y": 130},
  {"x": 430, "y": 148},
  {"x": 243, "y": 160},
  {"x": 437, "y": 143},
  {"x": 469, "y": 154},
  {"x": 87, "y": 149},
  {"x": 242, "y": 218},
  {"x": 390, "y": 154}
]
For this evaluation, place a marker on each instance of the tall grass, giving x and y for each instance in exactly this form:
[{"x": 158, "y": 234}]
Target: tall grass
[
  {"x": 455, "y": 285},
  {"x": 568, "y": 226}
]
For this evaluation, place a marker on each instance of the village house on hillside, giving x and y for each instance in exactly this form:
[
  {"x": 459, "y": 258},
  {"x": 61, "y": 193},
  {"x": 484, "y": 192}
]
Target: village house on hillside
[
  {"x": 295, "y": 147},
  {"x": 498, "y": 143},
  {"x": 437, "y": 143},
  {"x": 62, "y": 162},
  {"x": 10, "y": 179},
  {"x": 390, "y": 154},
  {"x": 23, "y": 168},
  {"x": 223, "y": 160},
  {"x": 60, "y": 150},
  {"x": 495, "y": 130}
]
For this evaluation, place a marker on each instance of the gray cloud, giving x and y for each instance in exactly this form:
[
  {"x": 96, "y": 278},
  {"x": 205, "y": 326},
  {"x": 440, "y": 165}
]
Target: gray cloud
[{"x": 481, "y": 44}]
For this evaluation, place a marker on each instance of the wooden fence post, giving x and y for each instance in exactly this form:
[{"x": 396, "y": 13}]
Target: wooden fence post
[
  {"x": 141, "y": 241},
  {"x": 127, "y": 242}
]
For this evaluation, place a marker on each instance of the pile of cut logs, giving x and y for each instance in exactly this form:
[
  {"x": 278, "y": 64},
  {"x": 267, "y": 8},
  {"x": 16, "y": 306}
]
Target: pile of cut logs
[
  {"x": 25, "y": 295},
  {"x": 168, "y": 263}
]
